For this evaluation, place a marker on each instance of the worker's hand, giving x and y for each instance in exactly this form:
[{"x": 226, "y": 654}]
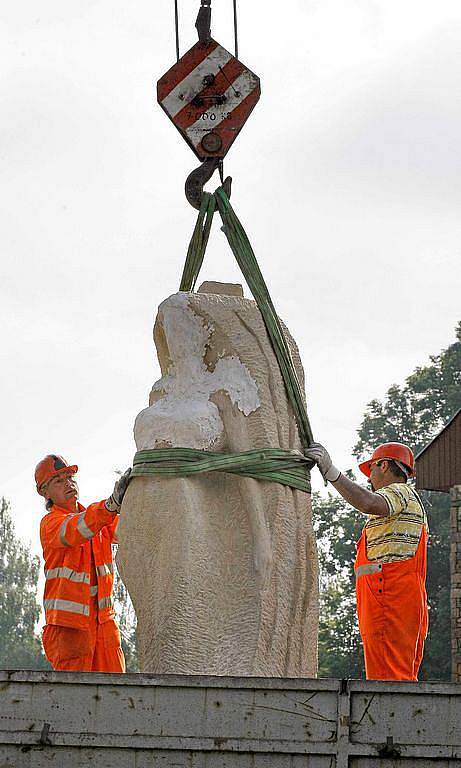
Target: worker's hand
[
  {"x": 114, "y": 502},
  {"x": 320, "y": 455}
]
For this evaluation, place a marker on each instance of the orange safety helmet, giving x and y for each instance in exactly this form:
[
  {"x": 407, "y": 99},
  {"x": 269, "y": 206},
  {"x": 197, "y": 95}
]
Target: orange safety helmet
[
  {"x": 49, "y": 467},
  {"x": 398, "y": 452}
]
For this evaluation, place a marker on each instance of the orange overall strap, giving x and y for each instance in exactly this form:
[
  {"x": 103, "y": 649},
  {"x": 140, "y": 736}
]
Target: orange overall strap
[{"x": 392, "y": 612}]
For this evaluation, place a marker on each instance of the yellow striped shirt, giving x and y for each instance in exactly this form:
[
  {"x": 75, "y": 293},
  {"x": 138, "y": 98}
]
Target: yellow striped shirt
[{"x": 396, "y": 537}]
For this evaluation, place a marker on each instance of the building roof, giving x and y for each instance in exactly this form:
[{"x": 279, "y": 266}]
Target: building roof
[{"x": 438, "y": 464}]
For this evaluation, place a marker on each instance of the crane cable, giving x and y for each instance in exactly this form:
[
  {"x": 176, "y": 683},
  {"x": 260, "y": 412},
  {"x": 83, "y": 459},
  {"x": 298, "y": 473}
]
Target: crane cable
[{"x": 176, "y": 28}]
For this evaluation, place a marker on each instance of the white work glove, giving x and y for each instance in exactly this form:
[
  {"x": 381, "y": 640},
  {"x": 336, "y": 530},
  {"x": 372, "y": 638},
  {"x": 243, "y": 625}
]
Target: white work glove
[
  {"x": 320, "y": 455},
  {"x": 114, "y": 502}
]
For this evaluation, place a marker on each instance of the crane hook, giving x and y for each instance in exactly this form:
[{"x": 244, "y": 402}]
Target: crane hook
[{"x": 199, "y": 177}]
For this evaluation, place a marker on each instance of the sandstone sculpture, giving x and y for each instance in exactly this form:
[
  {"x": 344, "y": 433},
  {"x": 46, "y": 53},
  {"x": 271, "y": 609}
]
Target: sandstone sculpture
[{"x": 222, "y": 570}]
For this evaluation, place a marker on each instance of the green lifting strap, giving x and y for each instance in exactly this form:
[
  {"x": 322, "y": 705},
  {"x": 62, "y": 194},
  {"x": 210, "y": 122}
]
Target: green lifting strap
[
  {"x": 275, "y": 465},
  {"x": 271, "y": 464},
  {"x": 246, "y": 260}
]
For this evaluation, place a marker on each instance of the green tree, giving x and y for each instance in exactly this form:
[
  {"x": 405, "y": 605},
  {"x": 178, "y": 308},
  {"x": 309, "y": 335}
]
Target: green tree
[
  {"x": 415, "y": 412},
  {"x": 20, "y": 648},
  {"x": 338, "y": 527},
  {"x": 411, "y": 413}
]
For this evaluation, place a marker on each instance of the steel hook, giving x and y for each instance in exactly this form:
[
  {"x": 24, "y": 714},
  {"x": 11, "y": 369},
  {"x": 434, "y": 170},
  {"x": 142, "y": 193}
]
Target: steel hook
[{"x": 199, "y": 177}]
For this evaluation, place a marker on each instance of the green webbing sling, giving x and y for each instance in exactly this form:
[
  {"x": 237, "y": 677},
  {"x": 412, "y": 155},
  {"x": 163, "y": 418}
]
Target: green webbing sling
[{"x": 272, "y": 464}]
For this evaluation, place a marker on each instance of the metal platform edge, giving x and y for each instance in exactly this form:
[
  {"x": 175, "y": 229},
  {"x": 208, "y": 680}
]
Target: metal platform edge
[{"x": 136, "y": 720}]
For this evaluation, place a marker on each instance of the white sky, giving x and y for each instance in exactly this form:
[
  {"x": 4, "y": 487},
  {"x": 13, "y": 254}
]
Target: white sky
[{"x": 346, "y": 176}]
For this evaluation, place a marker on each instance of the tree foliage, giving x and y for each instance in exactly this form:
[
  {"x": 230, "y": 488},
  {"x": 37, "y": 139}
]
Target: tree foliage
[
  {"x": 415, "y": 412},
  {"x": 412, "y": 413},
  {"x": 338, "y": 527},
  {"x": 20, "y": 648}
]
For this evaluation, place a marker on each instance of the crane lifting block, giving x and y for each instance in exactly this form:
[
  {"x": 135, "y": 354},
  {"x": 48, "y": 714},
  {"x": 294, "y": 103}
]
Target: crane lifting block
[{"x": 208, "y": 95}]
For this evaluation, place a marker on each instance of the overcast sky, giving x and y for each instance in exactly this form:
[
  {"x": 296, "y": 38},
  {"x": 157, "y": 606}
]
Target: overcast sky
[{"x": 346, "y": 177}]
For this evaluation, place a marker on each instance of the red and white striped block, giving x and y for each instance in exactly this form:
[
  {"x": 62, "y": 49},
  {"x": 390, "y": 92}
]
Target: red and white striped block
[{"x": 208, "y": 94}]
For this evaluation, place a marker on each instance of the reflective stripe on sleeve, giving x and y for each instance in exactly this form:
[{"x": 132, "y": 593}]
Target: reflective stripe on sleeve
[
  {"x": 105, "y": 570},
  {"x": 66, "y": 605},
  {"x": 82, "y": 527},
  {"x": 365, "y": 570},
  {"x": 94, "y": 591},
  {"x": 62, "y": 530},
  {"x": 106, "y": 602},
  {"x": 67, "y": 573}
]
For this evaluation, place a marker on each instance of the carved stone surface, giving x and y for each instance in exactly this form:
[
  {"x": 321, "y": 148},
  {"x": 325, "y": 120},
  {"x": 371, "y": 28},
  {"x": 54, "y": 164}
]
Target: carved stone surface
[{"x": 222, "y": 570}]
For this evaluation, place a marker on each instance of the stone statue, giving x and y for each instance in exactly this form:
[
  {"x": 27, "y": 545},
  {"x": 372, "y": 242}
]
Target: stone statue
[{"x": 222, "y": 570}]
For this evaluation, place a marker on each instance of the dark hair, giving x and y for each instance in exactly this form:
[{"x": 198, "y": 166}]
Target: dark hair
[
  {"x": 395, "y": 469},
  {"x": 48, "y": 504}
]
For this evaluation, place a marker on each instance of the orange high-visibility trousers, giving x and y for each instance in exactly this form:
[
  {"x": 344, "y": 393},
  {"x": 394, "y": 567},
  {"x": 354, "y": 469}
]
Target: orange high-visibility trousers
[
  {"x": 96, "y": 649},
  {"x": 392, "y": 613}
]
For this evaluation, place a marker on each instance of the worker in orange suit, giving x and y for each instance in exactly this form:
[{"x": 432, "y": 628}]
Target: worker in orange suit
[
  {"x": 81, "y": 633},
  {"x": 390, "y": 566}
]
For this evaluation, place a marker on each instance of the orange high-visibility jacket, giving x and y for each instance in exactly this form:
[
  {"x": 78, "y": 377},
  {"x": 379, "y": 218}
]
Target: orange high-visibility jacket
[{"x": 67, "y": 541}]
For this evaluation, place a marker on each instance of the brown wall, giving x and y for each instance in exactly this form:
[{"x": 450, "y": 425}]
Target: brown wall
[{"x": 455, "y": 560}]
